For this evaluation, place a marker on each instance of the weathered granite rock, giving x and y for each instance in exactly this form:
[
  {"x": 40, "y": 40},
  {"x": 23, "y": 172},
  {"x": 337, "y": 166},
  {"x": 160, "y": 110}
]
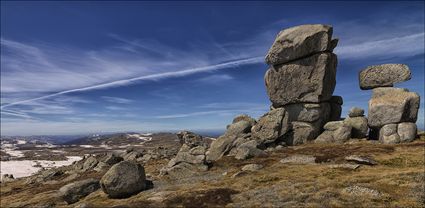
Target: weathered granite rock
[
  {"x": 271, "y": 126},
  {"x": 90, "y": 163},
  {"x": 335, "y": 104},
  {"x": 111, "y": 159},
  {"x": 123, "y": 180},
  {"x": 244, "y": 117},
  {"x": 300, "y": 41},
  {"x": 302, "y": 132},
  {"x": 309, "y": 112},
  {"x": 73, "y": 192},
  {"x": 407, "y": 131},
  {"x": 392, "y": 105},
  {"x": 240, "y": 127},
  {"x": 311, "y": 79},
  {"x": 248, "y": 150},
  {"x": 299, "y": 159},
  {"x": 221, "y": 146},
  {"x": 356, "y": 112},
  {"x": 189, "y": 138},
  {"x": 388, "y": 134},
  {"x": 358, "y": 125},
  {"x": 385, "y": 75},
  {"x": 252, "y": 167},
  {"x": 335, "y": 132},
  {"x": 360, "y": 160},
  {"x": 188, "y": 162}
]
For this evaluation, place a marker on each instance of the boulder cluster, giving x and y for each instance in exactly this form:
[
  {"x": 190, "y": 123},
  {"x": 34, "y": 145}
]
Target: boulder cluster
[
  {"x": 191, "y": 158},
  {"x": 392, "y": 111}
]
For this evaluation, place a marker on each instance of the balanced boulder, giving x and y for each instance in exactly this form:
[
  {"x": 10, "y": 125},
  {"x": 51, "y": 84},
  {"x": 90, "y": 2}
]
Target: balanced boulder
[
  {"x": 73, "y": 192},
  {"x": 385, "y": 75},
  {"x": 123, "y": 180},
  {"x": 300, "y": 41}
]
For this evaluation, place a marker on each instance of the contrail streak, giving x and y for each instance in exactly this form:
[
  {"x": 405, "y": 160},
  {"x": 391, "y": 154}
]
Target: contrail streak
[{"x": 224, "y": 65}]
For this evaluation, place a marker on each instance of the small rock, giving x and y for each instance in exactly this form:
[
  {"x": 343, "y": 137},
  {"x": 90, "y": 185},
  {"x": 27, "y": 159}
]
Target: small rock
[
  {"x": 244, "y": 117},
  {"x": 73, "y": 192},
  {"x": 344, "y": 166},
  {"x": 359, "y": 128},
  {"x": 239, "y": 174},
  {"x": 252, "y": 167},
  {"x": 299, "y": 159},
  {"x": 356, "y": 112},
  {"x": 358, "y": 191},
  {"x": 361, "y": 160}
]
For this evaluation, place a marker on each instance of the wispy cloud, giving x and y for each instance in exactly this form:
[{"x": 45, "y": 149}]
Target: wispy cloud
[
  {"x": 215, "y": 79},
  {"x": 117, "y": 100},
  {"x": 404, "y": 46}
]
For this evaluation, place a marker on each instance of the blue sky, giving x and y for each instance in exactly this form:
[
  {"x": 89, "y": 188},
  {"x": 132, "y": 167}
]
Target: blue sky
[{"x": 89, "y": 67}]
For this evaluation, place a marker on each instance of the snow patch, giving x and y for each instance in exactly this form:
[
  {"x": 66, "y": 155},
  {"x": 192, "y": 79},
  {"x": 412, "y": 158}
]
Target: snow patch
[
  {"x": 86, "y": 146},
  {"x": 23, "y": 168}
]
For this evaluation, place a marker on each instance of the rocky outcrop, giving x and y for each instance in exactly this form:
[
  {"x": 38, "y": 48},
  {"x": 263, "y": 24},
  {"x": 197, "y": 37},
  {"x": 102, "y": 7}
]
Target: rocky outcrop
[
  {"x": 73, "y": 192},
  {"x": 358, "y": 123},
  {"x": 385, "y": 75},
  {"x": 300, "y": 41},
  {"x": 191, "y": 158},
  {"x": 123, "y": 180},
  {"x": 243, "y": 137}
]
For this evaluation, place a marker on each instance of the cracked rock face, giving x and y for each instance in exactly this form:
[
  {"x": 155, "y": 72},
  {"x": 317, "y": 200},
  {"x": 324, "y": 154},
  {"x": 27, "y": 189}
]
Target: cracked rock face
[
  {"x": 385, "y": 75},
  {"x": 271, "y": 126},
  {"x": 392, "y": 105},
  {"x": 300, "y": 41},
  {"x": 308, "y": 80}
]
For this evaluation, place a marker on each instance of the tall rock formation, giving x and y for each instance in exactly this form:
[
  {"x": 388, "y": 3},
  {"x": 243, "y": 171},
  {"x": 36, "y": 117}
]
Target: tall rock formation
[
  {"x": 392, "y": 111},
  {"x": 301, "y": 80}
]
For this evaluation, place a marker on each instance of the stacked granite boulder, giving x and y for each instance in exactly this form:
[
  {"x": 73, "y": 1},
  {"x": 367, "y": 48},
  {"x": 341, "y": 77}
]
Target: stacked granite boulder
[
  {"x": 300, "y": 83},
  {"x": 392, "y": 112}
]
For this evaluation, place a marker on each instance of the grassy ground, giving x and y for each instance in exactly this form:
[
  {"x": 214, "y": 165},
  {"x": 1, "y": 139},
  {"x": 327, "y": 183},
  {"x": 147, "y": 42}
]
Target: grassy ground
[{"x": 397, "y": 181}]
